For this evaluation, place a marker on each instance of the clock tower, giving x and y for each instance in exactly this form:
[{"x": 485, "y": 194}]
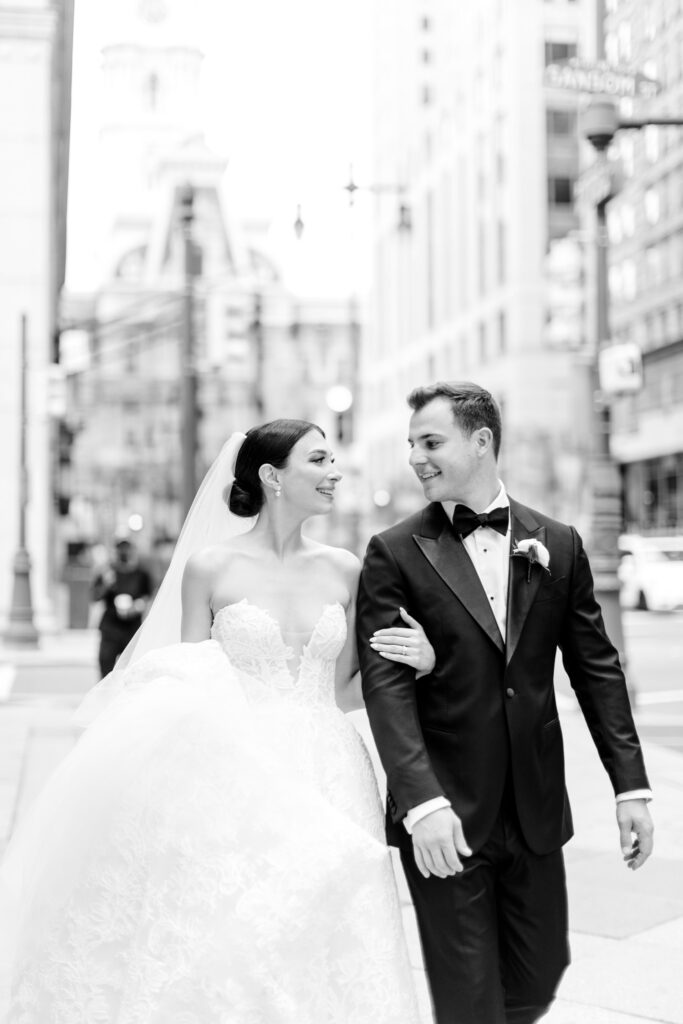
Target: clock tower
[
  {"x": 153, "y": 10},
  {"x": 151, "y": 65}
]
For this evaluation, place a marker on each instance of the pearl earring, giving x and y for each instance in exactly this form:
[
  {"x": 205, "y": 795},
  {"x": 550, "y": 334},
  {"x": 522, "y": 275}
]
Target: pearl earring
[{"x": 277, "y": 492}]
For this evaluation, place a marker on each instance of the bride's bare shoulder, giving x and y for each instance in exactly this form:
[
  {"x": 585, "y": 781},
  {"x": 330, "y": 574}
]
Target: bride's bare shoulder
[
  {"x": 343, "y": 560},
  {"x": 208, "y": 561}
]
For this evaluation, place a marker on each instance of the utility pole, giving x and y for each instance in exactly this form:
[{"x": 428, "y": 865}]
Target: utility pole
[
  {"x": 20, "y": 629},
  {"x": 258, "y": 340},
  {"x": 188, "y": 361},
  {"x": 605, "y": 482}
]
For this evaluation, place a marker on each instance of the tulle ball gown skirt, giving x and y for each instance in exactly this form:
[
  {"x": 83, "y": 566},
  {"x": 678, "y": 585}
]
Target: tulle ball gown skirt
[{"x": 204, "y": 858}]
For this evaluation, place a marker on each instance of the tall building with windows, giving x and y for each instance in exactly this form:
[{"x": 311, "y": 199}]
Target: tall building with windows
[
  {"x": 35, "y": 83},
  {"x": 646, "y": 271},
  {"x": 486, "y": 157}
]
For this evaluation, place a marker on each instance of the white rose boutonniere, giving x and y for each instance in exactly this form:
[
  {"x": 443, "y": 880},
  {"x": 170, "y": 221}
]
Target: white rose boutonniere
[{"x": 534, "y": 552}]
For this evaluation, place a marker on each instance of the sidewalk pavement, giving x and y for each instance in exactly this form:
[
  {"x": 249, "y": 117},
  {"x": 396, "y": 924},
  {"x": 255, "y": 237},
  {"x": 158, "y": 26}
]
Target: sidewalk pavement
[
  {"x": 626, "y": 927},
  {"x": 70, "y": 647}
]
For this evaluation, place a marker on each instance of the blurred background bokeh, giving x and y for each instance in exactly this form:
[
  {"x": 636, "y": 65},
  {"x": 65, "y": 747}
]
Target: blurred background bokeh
[{"x": 217, "y": 214}]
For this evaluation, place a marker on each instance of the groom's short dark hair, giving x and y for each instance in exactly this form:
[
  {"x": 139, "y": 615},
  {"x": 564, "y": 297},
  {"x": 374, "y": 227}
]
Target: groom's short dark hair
[{"x": 473, "y": 406}]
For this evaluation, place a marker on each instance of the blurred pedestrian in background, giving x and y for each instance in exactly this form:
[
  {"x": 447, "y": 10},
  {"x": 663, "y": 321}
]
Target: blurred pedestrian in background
[{"x": 125, "y": 587}]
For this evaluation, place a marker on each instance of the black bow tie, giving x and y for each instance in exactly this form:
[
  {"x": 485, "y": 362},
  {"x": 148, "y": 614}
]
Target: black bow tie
[{"x": 465, "y": 521}]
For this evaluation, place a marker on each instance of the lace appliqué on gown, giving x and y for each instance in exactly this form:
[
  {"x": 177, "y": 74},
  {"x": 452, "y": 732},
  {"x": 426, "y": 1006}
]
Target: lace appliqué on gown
[{"x": 212, "y": 851}]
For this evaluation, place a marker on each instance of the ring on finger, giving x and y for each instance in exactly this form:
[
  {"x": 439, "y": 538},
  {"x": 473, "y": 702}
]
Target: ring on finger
[{"x": 405, "y": 651}]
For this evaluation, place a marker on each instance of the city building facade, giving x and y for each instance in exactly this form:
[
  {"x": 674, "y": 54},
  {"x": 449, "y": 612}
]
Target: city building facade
[
  {"x": 646, "y": 268},
  {"x": 35, "y": 83},
  {"x": 486, "y": 156}
]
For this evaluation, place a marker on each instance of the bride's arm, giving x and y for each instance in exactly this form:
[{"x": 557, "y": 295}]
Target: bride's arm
[
  {"x": 347, "y": 685},
  {"x": 408, "y": 645},
  {"x": 196, "y": 592}
]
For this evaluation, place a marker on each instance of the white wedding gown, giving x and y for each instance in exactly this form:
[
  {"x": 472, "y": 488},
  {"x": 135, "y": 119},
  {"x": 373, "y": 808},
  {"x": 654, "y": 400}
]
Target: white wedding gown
[{"x": 211, "y": 852}]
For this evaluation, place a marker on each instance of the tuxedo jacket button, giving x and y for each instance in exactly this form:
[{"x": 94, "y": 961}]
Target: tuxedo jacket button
[{"x": 510, "y": 692}]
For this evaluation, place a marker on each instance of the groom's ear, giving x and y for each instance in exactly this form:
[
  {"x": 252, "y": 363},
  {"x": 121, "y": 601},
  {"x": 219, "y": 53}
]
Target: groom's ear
[{"x": 483, "y": 439}]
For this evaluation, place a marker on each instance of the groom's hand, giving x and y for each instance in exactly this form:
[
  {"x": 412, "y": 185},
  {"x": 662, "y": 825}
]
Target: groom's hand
[
  {"x": 633, "y": 818},
  {"x": 439, "y": 843}
]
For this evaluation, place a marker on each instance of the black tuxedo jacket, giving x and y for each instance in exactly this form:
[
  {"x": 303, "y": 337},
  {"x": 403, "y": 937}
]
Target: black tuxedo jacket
[{"x": 488, "y": 708}]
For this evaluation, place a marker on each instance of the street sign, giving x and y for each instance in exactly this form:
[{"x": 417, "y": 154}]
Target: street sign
[
  {"x": 57, "y": 397},
  {"x": 601, "y": 78},
  {"x": 620, "y": 368},
  {"x": 599, "y": 182}
]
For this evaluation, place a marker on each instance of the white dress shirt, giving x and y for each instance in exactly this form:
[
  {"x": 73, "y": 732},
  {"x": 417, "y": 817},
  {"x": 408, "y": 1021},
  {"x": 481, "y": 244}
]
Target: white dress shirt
[{"x": 490, "y": 555}]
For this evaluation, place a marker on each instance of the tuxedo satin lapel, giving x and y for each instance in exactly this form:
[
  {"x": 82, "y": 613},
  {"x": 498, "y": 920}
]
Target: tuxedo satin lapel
[
  {"x": 521, "y": 590},
  {"x": 448, "y": 556}
]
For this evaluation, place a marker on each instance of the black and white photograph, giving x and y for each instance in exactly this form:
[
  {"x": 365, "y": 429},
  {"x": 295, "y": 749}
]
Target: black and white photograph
[{"x": 341, "y": 532}]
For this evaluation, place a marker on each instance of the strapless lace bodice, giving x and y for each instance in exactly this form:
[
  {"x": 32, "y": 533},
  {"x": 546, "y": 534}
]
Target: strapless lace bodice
[{"x": 252, "y": 639}]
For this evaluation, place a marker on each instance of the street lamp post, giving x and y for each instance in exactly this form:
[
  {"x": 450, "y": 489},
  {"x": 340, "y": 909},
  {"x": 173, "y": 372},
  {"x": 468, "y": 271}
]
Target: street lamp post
[
  {"x": 342, "y": 400},
  {"x": 188, "y": 367},
  {"x": 20, "y": 629},
  {"x": 405, "y": 219},
  {"x": 405, "y": 222}
]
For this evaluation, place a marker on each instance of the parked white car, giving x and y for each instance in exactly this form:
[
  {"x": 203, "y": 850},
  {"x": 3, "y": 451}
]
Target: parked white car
[{"x": 651, "y": 572}]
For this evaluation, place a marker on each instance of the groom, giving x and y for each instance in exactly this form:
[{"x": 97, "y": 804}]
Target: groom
[{"x": 473, "y": 752}]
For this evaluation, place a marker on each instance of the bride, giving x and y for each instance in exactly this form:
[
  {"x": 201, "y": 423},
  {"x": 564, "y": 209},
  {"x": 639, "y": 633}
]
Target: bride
[{"x": 211, "y": 851}]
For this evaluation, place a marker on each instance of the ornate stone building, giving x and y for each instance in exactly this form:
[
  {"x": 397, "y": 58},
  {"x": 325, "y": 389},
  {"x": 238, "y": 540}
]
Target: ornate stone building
[{"x": 259, "y": 351}]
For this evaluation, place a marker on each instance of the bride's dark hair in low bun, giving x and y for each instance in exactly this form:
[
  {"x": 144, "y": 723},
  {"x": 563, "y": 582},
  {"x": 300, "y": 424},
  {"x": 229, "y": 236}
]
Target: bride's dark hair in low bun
[{"x": 271, "y": 442}]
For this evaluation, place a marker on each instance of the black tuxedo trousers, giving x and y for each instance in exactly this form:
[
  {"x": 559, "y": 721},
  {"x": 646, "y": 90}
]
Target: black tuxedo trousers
[{"x": 483, "y": 728}]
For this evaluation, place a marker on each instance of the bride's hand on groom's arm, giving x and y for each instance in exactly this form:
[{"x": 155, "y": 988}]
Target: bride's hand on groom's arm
[
  {"x": 406, "y": 645},
  {"x": 439, "y": 844}
]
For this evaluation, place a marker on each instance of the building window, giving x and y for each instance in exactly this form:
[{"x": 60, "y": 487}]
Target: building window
[
  {"x": 653, "y": 262},
  {"x": 560, "y": 191},
  {"x": 502, "y": 333},
  {"x": 131, "y": 355},
  {"x": 561, "y": 122},
  {"x": 615, "y": 282},
  {"x": 661, "y": 331},
  {"x": 614, "y": 226},
  {"x": 501, "y": 251},
  {"x": 628, "y": 220},
  {"x": 628, "y": 280},
  {"x": 624, "y": 35},
  {"x": 627, "y": 153},
  {"x": 481, "y": 257},
  {"x": 500, "y": 168},
  {"x": 463, "y": 350},
  {"x": 652, "y": 206},
  {"x": 429, "y": 259},
  {"x": 559, "y": 51},
  {"x": 152, "y": 91},
  {"x": 677, "y": 255},
  {"x": 482, "y": 343}
]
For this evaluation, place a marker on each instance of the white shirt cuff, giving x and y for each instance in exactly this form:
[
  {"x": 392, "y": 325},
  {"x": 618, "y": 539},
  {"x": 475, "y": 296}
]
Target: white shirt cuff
[
  {"x": 416, "y": 814},
  {"x": 635, "y": 794}
]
